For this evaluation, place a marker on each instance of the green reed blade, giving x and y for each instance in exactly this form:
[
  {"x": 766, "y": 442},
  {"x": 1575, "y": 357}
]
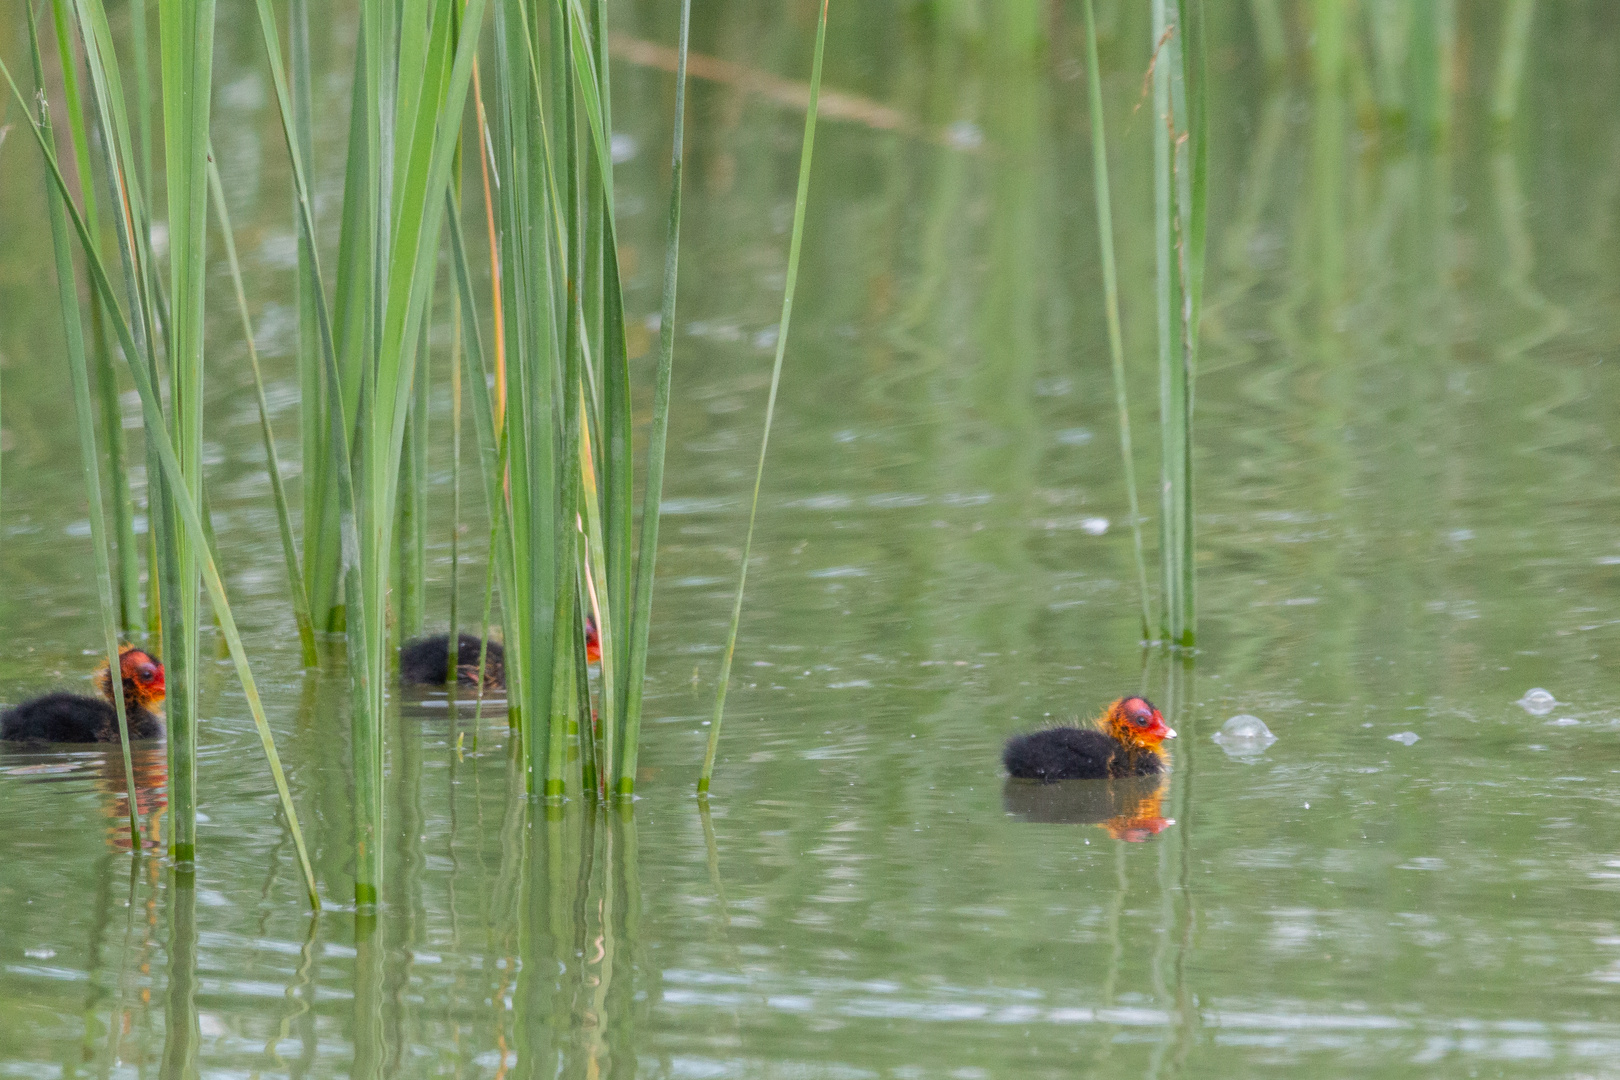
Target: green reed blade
[
  {"x": 186, "y": 39},
  {"x": 135, "y": 254},
  {"x": 453, "y": 210},
  {"x": 492, "y": 452},
  {"x": 289, "y": 550},
  {"x": 83, "y": 411},
  {"x": 652, "y": 493},
  {"x": 618, "y": 475},
  {"x": 170, "y": 466},
  {"x": 345, "y": 560},
  {"x": 143, "y": 89},
  {"x": 322, "y": 545},
  {"x": 1116, "y": 344},
  {"x": 1516, "y": 21},
  {"x": 1192, "y": 272},
  {"x": 106, "y": 379},
  {"x": 455, "y": 485},
  {"x": 606, "y": 628},
  {"x": 592, "y": 98},
  {"x": 576, "y": 494},
  {"x": 534, "y": 257},
  {"x": 587, "y": 45},
  {"x": 483, "y": 406},
  {"x": 329, "y": 561},
  {"x": 1172, "y": 372},
  {"x": 150, "y": 326},
  {"x": 416, "y": 76},
  {"x": 413, "y": 500},
  {"x": 799, "y": 203}
]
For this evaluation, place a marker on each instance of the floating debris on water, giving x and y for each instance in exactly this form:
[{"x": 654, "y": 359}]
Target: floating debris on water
[
  {"x": 1538, "y": 702},
  {"x": 1244, "y": 736},
  {"x": 1407, "y": 737}
]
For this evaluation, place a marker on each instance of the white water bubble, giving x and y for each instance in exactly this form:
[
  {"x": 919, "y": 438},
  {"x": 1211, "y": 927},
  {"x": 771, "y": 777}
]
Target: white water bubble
[
  {"x": 1405, "y": 737},
  {"x": 1563, "y": 721},
  {"x": 1244, "y": 736},
  {"x": 624, "y": 147},
  {"x": 1538, "y": 702}
]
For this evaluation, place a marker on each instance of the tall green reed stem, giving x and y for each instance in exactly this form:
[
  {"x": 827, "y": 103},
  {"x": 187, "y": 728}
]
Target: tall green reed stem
[
  {"x": 289, "y": 547},
  {"x": 1179, "y": 157},
  {"x": 1116, "y": 345},
  {"x": 83, "y": 411},
  {"x": 800, "y": 201},
  {"x": 106, "y": 378},
  {"x": 163, "y": 446},
  {"x": 186, "y": 41},
  {"x": 1516, "y": 20},
  {"x": 652, "y": 493}
]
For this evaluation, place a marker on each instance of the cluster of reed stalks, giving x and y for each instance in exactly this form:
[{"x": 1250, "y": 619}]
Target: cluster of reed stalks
[{"x": 540, "y": 360}]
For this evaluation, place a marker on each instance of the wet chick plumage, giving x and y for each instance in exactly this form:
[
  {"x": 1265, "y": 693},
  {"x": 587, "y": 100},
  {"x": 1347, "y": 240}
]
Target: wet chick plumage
[
  {"x": 1127, "y": 740},
  {"x": 62, "y": 717}
]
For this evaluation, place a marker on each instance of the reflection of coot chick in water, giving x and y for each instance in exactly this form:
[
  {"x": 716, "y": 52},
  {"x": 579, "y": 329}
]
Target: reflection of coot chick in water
[
  {"x": 75, "y": 718},
  {"x": 1128, "y": 740},
  {"x": 422, "y": 662},
  {"x": 1130, "y": 808}
]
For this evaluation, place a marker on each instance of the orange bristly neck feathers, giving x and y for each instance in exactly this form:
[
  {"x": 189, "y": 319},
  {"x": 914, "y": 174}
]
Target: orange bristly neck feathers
[
  {"x": 139, "y": 692},
  {"x": 1118, "y": 726}
]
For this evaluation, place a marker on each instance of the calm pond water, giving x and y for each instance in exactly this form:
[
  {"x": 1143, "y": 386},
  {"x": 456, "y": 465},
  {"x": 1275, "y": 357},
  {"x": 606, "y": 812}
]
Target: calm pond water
[{"x": 1407, "y": 507}]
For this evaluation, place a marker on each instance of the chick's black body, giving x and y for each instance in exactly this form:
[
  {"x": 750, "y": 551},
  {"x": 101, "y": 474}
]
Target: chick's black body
[
  {"x": 422, "y": 662},
  {"x": 74, "y": 718},
  {"x": 1072, "y": 753}
]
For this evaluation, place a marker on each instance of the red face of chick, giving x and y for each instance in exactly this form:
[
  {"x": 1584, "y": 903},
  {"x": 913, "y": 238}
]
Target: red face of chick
[
  {"x": 143, "y": 673},
  {"x": 1135, "y": 720},
  {"x": 593, "y": 644}
]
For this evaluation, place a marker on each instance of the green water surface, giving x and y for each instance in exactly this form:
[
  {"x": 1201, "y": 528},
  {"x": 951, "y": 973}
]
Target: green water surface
[{"x": 1407, "y": 514}]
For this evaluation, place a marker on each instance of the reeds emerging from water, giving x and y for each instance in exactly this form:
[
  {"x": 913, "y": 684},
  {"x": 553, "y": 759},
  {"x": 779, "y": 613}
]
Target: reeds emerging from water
[
  {"x": 160, "y": 336},
  {"x": 548, "y": 376},
  {"x": 1180, "y": 183},
  {"x": 801, "y": 199}
]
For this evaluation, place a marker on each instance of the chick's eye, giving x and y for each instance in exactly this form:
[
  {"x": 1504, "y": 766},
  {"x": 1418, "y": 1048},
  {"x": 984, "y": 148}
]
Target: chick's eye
[{"x": 145, "y": 673}]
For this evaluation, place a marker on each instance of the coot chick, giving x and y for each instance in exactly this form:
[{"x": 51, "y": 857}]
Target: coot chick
[
  {"x": 62, "y": 717},
  {"x": 422, "y": 662},
  {"x": 1127, "y": 740}
]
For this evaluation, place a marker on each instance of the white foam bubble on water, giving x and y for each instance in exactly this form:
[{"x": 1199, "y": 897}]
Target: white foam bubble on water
[
  {"x": 1244, "y": 726},
  {"x": 1244, "y": 736},
  {"x": 1538, "y": 702},
  {"x": 1407, "y": 737}
]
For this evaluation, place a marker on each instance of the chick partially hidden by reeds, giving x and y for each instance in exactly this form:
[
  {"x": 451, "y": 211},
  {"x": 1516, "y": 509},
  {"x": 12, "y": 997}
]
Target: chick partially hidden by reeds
[
  {"x": 1127, "y": 740},
  {"x": 61, "y": 717},
  {"x": 422, "y": 662}
]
